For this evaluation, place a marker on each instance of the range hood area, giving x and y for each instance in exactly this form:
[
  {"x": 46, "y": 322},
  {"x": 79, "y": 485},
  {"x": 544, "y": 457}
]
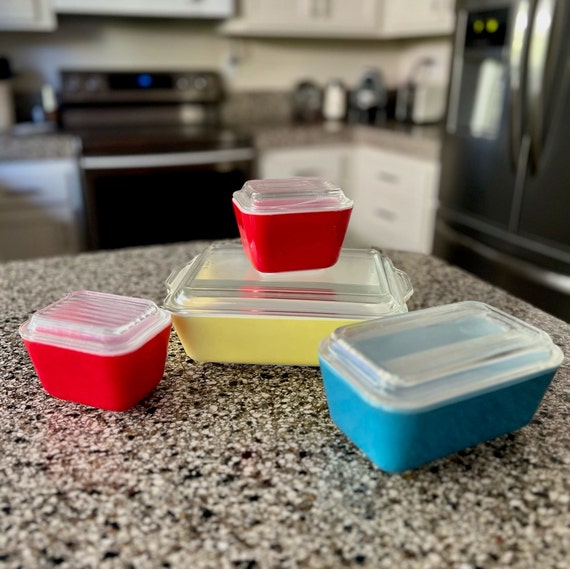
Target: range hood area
[
  {"x": 164, "y": 8},
  {"x": 41, "y": 15}
]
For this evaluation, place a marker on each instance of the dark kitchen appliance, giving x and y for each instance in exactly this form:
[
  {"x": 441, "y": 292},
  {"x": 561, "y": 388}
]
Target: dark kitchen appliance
[
  {"x": 368, "y": 101},
  {"x": 504, "y": 193},
  {"x": 158, "y": 164},
  {"x": 307, "y": 102}
]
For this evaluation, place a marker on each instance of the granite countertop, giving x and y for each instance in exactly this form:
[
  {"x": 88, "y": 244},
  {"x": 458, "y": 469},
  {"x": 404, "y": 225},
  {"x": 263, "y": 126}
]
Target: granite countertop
[
  {"x": 419, "y": 141},
  {"x": 39, "y": 146},
  {"x": 239, "y": 466},
  {"x": 265, "y": 115},
  {"x": 422, "y": 142}
]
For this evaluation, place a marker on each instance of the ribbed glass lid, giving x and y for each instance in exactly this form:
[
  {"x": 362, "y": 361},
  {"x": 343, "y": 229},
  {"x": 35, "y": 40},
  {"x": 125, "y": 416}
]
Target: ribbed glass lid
[
  {"x": 439, "y": 354},
  {"x": 96, "y": 322},
  {"x": 362, "y": 284},
  {"x": 288, "y": 195}
]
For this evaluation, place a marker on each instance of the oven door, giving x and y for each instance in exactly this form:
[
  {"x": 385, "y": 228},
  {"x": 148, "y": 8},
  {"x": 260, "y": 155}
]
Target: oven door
[{"x": 162, "y": 198}]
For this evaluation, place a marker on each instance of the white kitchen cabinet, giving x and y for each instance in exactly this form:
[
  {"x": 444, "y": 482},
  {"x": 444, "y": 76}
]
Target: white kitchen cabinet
[
  {"x": 328, "y": 162},
  {"x": 343, "y": 18},
  {"x": 27, "y": 15},
  {"x": 395, "y": 200},
  {"x": 148, "y": 8},
  {"x": 401, "y": 18},
  {"x": 40, "y": 208},
  {"x": 300, "y": 17},
  {"x": 395, "y": 195}
]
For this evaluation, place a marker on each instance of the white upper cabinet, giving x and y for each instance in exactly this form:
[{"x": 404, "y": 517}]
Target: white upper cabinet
[
  {"x": 149, "y": 8},
  {"x": 27, "y": 15},
  {"x": 307, "y": 17},
  {"x": 343, "y": 18},
  {"x": 401, "y": 18},
  {"x": 30, "y": 15}
]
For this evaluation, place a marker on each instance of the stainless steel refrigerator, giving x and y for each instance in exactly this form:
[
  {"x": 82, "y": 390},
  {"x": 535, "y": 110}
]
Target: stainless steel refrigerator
[{"x": 504, "y": 210}]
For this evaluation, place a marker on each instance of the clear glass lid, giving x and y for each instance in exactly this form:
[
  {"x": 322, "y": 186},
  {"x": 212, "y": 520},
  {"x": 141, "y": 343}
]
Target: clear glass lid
[
  {"x": 288, "y": 195},
  {"x": 96, "y": 322},
  {"x": 221, "y": 280},
  {"x": 439, "y": 354}
]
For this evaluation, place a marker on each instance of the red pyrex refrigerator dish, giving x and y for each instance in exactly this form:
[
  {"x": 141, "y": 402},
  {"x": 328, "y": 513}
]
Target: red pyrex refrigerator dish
[
  {"x": 291, "y": 224},
  {"x": 98, "y": 349}
]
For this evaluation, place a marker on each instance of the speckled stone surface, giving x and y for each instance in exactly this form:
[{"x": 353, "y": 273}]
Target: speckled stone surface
[
  {"x": 239, "y": 466},
  {"x": 423, "y": 142},
  {"x": 38, "y": 146}
]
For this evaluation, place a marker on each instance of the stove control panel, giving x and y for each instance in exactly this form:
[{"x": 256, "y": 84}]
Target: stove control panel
[{"x": 84, "y": 87}]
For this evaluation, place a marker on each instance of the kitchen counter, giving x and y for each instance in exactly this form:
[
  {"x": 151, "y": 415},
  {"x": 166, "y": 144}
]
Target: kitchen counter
[
  {"x": 420, "y": 141},
  {"x": 239, "y": 466},
  {"x": 38, "y": 145}
]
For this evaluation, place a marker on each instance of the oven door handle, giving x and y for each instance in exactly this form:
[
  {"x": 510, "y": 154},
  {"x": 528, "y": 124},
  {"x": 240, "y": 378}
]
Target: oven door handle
[{"x": 166, "y": 160}]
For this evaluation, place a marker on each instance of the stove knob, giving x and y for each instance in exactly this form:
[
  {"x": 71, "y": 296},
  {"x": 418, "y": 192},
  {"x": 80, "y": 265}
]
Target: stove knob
[
  {"x": 72, "y": 84},
  {"x": 93, "y": 83},
  {"x": 182, "y": 83},
  {"x": 201, "y": 83}
]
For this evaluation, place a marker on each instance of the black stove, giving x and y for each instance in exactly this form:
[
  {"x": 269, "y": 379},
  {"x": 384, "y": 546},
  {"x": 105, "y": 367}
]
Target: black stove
[
  {"x": 159, "y": 164},
  {"x": 136, "y": 140},
  {"x": 116, "y": 112}
]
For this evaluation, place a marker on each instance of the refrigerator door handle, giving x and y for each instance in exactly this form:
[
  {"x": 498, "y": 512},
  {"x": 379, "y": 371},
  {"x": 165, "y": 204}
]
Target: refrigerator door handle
[
  {"x": 538, "y": 74},
  {"x": 517, "y": 54}
]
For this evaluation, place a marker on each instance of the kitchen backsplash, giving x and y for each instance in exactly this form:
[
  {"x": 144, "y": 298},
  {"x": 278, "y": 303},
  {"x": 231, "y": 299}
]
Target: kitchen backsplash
[
  {"x": 249, "y": 64},
  {"x": 261, "y": 107}
]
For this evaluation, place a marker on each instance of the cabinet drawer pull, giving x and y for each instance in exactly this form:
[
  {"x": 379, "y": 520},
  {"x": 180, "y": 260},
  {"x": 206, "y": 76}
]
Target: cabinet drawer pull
[
  {"x": 307, "y": 173},
  {"x": 388, "y": 177},
  {"x": 385, "y": 214},
  {"x": 19, "y": 192}
]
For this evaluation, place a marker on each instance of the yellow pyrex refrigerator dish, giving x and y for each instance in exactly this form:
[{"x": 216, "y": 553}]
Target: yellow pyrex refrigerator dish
[{"x": 223, "y": 310}]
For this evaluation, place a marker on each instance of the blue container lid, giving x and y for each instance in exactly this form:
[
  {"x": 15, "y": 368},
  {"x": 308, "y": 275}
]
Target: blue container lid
[{"x": 429, "y": 357}]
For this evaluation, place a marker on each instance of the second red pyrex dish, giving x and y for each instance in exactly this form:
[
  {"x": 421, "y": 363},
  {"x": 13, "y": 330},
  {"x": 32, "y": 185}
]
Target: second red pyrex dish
[{"x": 291, "y": 224}]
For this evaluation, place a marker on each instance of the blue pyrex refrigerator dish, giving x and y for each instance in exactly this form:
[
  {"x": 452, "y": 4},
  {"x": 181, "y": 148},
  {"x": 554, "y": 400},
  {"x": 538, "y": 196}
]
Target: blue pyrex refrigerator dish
[{"x": 414, "y": 387}]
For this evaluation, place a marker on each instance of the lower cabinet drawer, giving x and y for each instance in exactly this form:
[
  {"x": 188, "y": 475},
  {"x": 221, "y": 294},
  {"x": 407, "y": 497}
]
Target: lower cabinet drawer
[
  {"x": 328, "y": 162},
  {"x": 37, "y": 233},
  {"x": 40, "y": 208},
  {"x": 23, "y": 183},
  {"x": 393, "y": 224},
  {"x": 395, "y": 201}
]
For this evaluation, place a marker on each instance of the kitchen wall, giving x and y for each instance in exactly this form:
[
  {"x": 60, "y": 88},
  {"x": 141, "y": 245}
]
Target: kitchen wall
[{"x": 249, "y": 64}]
